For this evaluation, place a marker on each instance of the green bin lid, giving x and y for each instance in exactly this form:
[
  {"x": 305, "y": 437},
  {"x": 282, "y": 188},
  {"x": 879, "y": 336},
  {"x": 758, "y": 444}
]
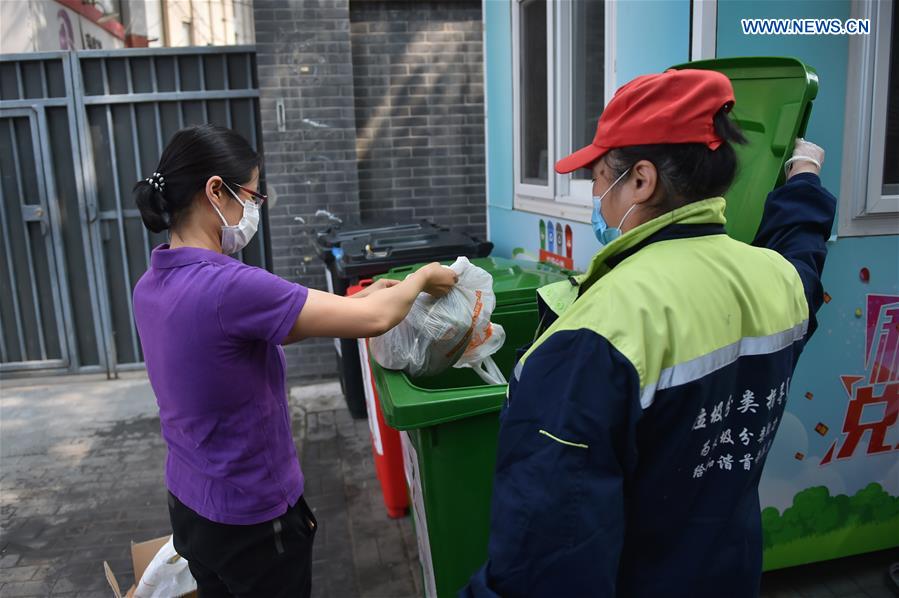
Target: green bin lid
[
  {"x": 773, "y": 103},
  {"x": 514, "y": 281}
]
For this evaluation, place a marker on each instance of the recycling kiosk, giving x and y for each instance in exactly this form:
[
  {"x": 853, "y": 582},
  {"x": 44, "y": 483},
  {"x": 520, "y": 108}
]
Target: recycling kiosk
[
  {"x": 450, "y": 422},
  {"x": 450, "y": 425},
  {"x": 355, "y": 252}
]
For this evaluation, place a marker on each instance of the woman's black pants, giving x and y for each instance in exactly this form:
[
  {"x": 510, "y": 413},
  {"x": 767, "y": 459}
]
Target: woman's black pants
[{"x": 271, "y": 559}]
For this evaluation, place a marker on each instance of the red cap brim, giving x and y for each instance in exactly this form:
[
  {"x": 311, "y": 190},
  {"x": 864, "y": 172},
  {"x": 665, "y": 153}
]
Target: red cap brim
[{"x": 579, "y": 159}]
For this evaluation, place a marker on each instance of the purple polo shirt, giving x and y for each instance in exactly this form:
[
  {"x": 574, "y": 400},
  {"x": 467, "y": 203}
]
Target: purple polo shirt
[{"x": 211, "y": 327}]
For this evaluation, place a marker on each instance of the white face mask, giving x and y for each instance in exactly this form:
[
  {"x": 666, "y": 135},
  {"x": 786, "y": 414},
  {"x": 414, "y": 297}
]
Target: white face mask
[{"x": 235, "y": 238}]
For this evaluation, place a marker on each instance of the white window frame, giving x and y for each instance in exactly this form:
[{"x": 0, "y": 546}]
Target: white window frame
[
  {"x": 562, "y": 197},
  {"x": 864, "y": 209},
  {"x": 532, "y": 191},
  {"x": 704, "y": 28}
]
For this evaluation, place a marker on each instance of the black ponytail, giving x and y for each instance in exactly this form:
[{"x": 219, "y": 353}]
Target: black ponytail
[
  {"x": 687, "y": 172},
  {"x": 193, "y": 155},
  {"x": 152, "y": 205}
]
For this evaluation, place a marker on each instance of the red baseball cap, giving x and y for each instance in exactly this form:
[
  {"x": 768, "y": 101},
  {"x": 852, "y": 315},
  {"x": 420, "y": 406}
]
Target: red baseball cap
[{"x": 677, "y": 106}]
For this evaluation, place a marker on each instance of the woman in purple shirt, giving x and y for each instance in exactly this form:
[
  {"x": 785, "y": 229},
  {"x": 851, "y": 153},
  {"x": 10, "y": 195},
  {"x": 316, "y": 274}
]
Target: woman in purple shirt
[{"x": 212, "y": 329}]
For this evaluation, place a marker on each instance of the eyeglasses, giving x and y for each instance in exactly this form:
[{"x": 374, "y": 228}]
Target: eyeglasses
[{"x": 259, "y": 198}]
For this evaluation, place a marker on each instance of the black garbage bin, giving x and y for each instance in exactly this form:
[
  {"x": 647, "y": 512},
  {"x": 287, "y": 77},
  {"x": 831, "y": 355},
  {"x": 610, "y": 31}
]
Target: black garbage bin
[
  {"x": 355, "y": 252},
  {"x": 328, "y": 242}
]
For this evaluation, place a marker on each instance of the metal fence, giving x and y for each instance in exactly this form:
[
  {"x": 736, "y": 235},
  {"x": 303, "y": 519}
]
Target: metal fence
[{"x": 77, "y": 129}]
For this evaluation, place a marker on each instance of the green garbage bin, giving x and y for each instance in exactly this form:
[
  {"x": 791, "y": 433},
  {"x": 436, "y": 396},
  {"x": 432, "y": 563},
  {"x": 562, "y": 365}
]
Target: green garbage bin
[
  {"x": 450, "y": 424},
  {"x": 450, "y": 421},
  {"x": 773, "y": 104}
]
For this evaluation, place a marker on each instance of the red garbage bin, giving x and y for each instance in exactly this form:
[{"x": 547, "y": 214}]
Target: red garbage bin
[{"x": 385, "y": 441}]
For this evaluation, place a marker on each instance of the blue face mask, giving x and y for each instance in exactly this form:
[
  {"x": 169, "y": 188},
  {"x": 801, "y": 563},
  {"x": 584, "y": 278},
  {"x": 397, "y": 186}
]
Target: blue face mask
[{"x": 604, "y": 233}]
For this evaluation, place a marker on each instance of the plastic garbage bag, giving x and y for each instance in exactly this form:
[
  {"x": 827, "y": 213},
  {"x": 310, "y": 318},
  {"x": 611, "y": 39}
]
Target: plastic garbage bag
[
  {"x": 166, "y": 576},
  {"x": 454, "y": 330}
]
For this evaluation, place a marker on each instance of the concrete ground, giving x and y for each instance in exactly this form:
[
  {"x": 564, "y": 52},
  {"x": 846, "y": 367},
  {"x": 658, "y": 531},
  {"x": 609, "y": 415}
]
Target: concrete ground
[{"x": 81, "y": 476}]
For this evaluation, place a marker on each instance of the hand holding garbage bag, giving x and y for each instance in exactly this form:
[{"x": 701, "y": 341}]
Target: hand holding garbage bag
[
  {"x": 454, "y": 330},
  {"x": 438, "y": 281}
]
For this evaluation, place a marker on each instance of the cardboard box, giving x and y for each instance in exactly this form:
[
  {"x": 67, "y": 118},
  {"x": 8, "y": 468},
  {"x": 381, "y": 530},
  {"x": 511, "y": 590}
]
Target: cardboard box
[{"x": 141, "y": 555}]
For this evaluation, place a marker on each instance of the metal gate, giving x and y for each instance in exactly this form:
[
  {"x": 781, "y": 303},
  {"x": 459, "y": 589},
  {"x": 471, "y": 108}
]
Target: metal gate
[{"x": 77, "y": 130}]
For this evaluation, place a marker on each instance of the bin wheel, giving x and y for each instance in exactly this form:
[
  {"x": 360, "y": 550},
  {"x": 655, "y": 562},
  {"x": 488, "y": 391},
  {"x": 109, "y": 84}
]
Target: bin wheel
[{"x": 893, "y": 578}]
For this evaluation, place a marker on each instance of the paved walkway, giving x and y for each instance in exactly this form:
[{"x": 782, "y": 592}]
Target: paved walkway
[{"x": 81, "y": 477}]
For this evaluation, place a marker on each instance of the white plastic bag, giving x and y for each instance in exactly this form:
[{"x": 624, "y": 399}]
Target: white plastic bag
[
  {"x": 454, "y": 330},
  {"x": 166, "y": 576}
]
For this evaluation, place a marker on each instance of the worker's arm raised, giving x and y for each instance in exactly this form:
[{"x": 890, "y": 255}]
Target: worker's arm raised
[
  {"x": 798, "y": 220},
  {"x": 327, "y": 315}
]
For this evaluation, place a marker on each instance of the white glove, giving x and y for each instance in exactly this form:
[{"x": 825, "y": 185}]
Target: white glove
[{"x": 808, "y": 154}]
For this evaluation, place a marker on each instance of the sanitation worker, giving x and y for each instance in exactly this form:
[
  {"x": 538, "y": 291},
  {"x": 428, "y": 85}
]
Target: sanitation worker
[{"x": 637, "y": 426}]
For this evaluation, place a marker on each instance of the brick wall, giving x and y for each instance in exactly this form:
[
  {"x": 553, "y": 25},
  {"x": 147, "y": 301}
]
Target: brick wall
[
  {"x": 418, "y": 81},
  {"x": 303, "y": 58},
  {"x": 384, "y": 118}
]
